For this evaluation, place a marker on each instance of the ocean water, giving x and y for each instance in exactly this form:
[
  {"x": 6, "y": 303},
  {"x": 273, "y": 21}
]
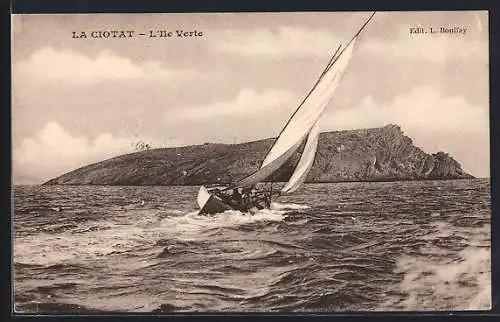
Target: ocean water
[{"x": 394, "y": 246}]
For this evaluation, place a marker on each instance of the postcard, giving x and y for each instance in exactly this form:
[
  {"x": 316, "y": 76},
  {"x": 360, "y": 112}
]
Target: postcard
[{"x": 251, "y": 162}]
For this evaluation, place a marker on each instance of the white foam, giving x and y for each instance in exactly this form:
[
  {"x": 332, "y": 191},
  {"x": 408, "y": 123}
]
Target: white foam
[
  {"x": 442, "y": 284},
  {"x": 191, "y": 225},
  {"x": 75, "y": 248},
  {"x": 94, "y": 240},
  {"x": 288, "y": 206}
]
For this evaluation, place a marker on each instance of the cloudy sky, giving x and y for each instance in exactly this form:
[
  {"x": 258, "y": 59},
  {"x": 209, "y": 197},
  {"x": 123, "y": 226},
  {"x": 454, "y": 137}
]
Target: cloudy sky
[{"x": 78, "y": 101}]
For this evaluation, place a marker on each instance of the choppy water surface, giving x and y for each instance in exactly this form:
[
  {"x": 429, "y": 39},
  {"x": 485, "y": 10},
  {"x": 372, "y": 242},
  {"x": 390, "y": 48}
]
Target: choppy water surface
[{"x": 328, "y": 247}]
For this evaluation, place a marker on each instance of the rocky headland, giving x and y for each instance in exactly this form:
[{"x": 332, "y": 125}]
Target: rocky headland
[{"x": 376, "y": 154}]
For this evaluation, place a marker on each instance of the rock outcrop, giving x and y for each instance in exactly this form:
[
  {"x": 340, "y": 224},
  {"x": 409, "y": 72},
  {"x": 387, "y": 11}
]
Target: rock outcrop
[{"x": 377, "y": 154}]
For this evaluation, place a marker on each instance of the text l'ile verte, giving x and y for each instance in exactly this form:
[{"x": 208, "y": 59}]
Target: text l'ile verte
[{"x": 106, "y": 34}]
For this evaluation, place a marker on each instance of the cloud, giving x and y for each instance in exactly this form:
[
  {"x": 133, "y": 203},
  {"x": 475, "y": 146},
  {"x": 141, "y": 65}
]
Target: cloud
[
  {"x": 54, "y": 151},
  {"x": 288, "y": 41},
  {"x": 436, "y": 48},
  {"x": 435, "y": 122},
  {"x": 422, "y": 107},
  {"x": 246, "y": 102},
  {"x": 68, "y": 66},
  {"x": 282, "y": 42}
]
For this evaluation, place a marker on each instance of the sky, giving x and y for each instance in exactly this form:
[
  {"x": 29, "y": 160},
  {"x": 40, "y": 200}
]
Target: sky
[{"x": 77, "y": 101}]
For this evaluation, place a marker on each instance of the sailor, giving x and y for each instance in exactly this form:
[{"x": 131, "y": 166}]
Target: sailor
[
  {"x": 253, "y": 194},
  {"x": 237, "y": 195},
  {"x": 247, "y": 197}
]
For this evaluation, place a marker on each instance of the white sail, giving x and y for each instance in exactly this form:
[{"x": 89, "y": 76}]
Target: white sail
[
  {"x": 306, "y": 161},
  {"x": 264, "y": 172},
  {"x": 304, "y": 118},
  {"x": 312, "y": 108}
]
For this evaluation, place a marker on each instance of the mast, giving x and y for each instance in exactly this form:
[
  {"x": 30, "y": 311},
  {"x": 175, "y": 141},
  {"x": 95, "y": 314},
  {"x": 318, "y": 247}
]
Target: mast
[
  {"x": 307, "y": 113},
  {"x": 331, "y": 62},
  {"x": 328, "y": 66}
]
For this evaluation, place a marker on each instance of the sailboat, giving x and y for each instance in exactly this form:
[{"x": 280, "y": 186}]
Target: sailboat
[{"x": 303, "y": 125}]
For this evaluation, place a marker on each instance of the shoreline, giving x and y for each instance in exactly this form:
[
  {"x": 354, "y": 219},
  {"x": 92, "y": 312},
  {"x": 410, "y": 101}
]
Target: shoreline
[{"x": 308, "y": 183}]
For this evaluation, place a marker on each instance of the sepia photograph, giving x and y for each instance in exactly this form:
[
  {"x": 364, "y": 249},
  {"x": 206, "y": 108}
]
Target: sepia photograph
[{"x": 251, "y": 162}]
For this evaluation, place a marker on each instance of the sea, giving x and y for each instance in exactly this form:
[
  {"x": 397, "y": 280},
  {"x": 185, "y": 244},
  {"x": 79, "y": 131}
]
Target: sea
[{"x": 329, "y": 247}]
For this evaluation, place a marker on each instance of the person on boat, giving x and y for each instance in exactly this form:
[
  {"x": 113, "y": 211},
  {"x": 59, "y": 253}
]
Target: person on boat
[
  {"x": 254, "y": 195},
  {"x": 237, "y": 195},
  {"x": 244, "y": 199},
  {"x": 248, "y": 198},
  {"x": 230, "y": 196},
  {"x": 247, "y": 191}
]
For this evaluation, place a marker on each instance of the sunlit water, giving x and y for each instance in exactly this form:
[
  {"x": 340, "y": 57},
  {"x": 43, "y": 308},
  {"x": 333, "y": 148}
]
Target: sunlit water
[{"x": 327, "y": 247}]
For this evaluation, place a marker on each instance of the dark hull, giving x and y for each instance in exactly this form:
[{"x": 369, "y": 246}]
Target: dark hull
[{"x": 214, "y": 205}]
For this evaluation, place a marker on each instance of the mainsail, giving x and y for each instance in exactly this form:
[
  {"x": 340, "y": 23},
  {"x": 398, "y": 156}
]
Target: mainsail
[
  {"x": 304, "y": 123},
  {"x": 312, "y": 108}
]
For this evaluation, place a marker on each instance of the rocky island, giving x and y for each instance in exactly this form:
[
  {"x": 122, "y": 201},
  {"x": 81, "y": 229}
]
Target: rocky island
[{"x": 377, "y": 154}]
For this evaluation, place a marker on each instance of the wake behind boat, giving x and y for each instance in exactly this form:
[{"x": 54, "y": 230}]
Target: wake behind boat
[{"x": 302, "y": 126}]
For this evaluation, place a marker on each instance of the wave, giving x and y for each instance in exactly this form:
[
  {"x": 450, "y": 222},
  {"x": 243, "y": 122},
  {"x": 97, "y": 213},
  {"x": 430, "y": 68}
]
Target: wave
[
  {"x": 344, "y": 254},
  {"x": 167, "y": 307},
  {"x": 51, "y": 308},
  {"x": 192, "y": 225},
  {"x": 134, "y": 236},
  {"x": 288, "y": 206},
  {"x": 433, "y": 283}
]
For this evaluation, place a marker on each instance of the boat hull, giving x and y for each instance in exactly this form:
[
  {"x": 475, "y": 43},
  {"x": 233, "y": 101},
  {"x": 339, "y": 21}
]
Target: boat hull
[
  {"x": 214, "y": 206},
  {"x": 211, "y": 204}
]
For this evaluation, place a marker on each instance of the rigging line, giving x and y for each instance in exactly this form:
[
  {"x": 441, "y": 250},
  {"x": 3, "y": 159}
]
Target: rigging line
[
  {"x": 328, "y": 66},
  {"x": 331, "y": 62},
  {"x": 357, "y": 34}
]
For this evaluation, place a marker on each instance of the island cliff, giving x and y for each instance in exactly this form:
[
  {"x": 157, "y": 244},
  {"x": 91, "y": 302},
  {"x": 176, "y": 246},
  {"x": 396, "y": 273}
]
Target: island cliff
[{"x": 377, "y": 154}]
